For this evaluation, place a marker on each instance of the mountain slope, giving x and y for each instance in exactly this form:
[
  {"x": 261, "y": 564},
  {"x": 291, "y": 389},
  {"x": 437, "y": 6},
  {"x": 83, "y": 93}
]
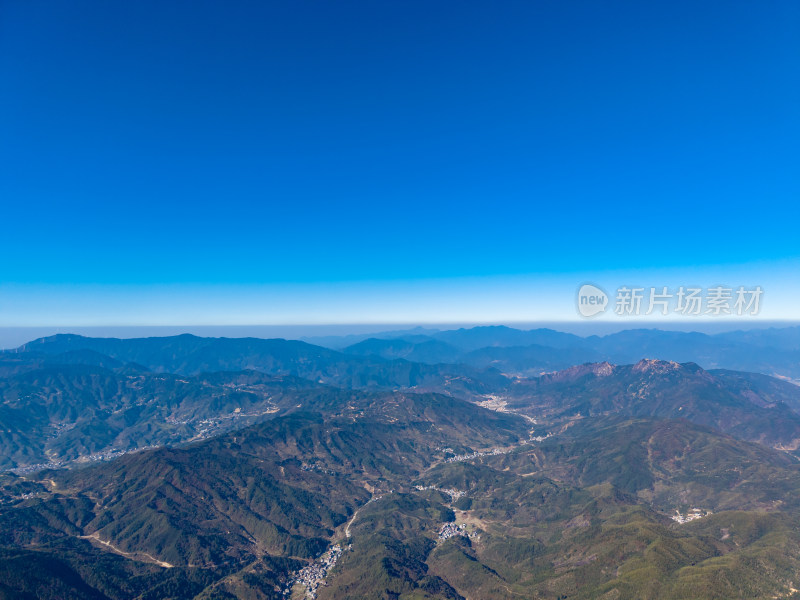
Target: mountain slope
[
  {"x": 191, "y": 355},
  {"x": 772, "y": 351},
  {"x": 278, "y": 488},
  {"x": 582, "y": 514},
  {"x": 62, "y": 413},
  {"x": 428, "y": 350},
  {"x": 377, "y": 489},
  {"x": 652, "y": 388}
]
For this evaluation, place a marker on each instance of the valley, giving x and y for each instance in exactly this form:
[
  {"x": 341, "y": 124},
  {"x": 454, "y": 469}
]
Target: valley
[{"x": 385, "y": 478}]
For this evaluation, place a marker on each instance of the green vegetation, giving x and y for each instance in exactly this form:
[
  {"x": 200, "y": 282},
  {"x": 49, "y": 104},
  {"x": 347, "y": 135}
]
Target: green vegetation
[{"x": 428, "y": 495}]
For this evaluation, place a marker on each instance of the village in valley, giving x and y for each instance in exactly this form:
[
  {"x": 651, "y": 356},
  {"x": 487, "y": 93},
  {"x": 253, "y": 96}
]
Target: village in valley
[{"x": 691, "y": 515}]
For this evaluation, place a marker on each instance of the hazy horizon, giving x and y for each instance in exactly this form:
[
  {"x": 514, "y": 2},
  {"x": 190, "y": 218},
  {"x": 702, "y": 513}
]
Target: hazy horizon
[{"x": 13, "y": 337}]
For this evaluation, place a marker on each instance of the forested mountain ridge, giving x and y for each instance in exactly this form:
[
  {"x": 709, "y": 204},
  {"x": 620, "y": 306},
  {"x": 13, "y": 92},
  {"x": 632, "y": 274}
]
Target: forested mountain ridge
[{"x": 282, "y": 470}]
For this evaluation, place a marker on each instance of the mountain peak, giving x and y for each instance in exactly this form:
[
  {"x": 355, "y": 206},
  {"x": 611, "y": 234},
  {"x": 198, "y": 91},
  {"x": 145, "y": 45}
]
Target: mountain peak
[
  {"x": 651, "y": 365},
  {"x": 601, "y": 369}
]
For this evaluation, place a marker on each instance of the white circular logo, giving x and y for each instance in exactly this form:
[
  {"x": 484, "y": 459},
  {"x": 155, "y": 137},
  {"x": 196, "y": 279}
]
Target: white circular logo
[{"x": 591, "y": 300}]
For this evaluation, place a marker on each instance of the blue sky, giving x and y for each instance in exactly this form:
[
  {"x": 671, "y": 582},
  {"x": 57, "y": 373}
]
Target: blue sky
[{"x": 212, "y": 162}]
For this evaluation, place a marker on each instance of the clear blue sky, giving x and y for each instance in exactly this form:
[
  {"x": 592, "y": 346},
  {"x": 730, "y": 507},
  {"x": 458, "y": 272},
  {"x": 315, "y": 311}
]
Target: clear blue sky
[{"x": 149, "y": 150}]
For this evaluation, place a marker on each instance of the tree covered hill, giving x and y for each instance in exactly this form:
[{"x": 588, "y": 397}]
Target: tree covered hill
[
  {"x": 751, "y": 407},
  {"x": 280, "y": 467}
]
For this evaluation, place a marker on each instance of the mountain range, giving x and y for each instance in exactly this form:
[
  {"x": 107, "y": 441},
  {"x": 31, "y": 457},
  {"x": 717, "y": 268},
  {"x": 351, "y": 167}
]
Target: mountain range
[
  {"x": 188, "y": 467},
  {"x": 772, "y": 351}
]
